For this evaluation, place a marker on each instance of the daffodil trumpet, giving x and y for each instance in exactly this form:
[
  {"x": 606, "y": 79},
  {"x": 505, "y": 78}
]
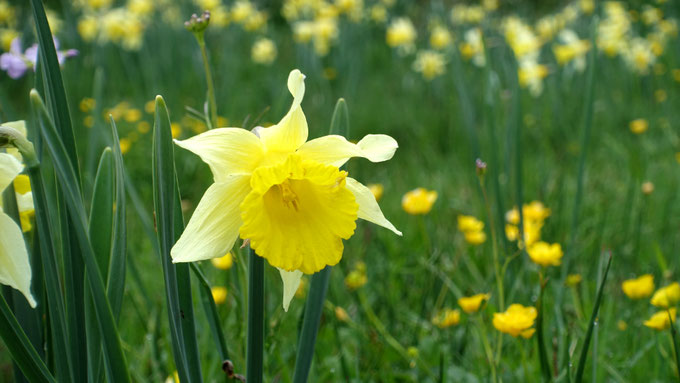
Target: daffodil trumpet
[{"x": 285, "y": 195}]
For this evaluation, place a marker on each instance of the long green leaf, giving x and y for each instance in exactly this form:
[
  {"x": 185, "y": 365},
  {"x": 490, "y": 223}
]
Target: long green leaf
[
  {"x": 340, "y": 119},
  {"x": 113, "y": 353},
  {"x": 540, "y": 323},
  {"x": 593, "y": 319},
  {"x": 23, "y": 352},
  {"x": 255, "y": 347},
  {"x": 211, "y": 313},
  {"x": 674, "y": 339},
  {"x": 115, "y": 282},
  {"x": 176, "y": 276}
]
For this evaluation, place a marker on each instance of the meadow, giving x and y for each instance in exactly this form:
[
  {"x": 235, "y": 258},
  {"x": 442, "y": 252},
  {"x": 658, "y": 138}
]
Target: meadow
[{"x": 534, "y": 187}]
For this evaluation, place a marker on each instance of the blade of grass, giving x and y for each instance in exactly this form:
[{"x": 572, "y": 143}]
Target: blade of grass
[
  {"x": 176, "y": 277},
  {"x": 20, "y": 347},
  {"x": 255, "y": 347},
  {"x": 578, "y": 378},
  {"x": 542, "y": 352},
  {"x": 115, "y": 282},
  {"x": 211, "y": 313},
  {"x": 674, "y": 339},
  {"x": 113, "y": 353}
]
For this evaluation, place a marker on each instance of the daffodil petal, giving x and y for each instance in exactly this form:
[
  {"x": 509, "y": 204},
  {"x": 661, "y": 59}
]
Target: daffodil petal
[
  {"x": 369, "y": 209},
  {"x": 291, "y": 132},
  {"x": 15, "y": 269},
  {"x": 226, "y": 150},
  {"x": 336, "y": 150},
  {"x": 213, "y": 228},
  {"x": 10, "y": 167},
  {"x": 291, "y": 282}
]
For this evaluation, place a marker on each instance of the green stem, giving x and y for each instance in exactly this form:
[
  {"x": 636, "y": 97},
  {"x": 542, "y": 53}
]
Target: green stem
[
  {"x": 255, "y": 348},
  {"x": 542, "y": 352},
  {"x": 212, "y": 103},
  {"x": 487, "y": 348}
]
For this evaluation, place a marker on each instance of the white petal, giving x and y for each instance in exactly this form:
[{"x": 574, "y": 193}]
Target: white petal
[
  {"x": 226, "y": 150},
  {"x": 291, "y": 282},
  {"x": 15, "y": 269},
  {"x": 25, "y": 202},
  {"x": 291, "y": 132},
  {"x": 10, "y": 167},
  {"x": 336, "y": 150},
  {"x": 213, "y": 228},
  {"x": 368, "y": 206}
]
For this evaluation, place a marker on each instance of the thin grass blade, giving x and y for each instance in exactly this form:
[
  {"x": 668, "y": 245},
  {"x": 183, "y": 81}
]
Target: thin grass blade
[
  {"x": 211, "y": 313},
  {"x": 115, "y": 281},
  {"x": 255, "y": 336}
]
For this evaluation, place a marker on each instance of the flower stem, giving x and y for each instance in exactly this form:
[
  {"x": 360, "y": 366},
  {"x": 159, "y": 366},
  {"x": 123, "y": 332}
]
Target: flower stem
[
  {"x": 254, "y": 351},
  {"x": 212, "y": 103}
]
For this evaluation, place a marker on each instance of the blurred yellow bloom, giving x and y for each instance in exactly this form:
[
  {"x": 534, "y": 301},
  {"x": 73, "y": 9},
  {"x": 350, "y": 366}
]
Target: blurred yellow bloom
[
  {"x": 140, "y": 7},
  {"x": 341, "y": 314},
  {"x": 531, "y": 75},
  {"x": 87, "y": 104},
  {"x": 587, "y": 6},
  {"x": 446, "y": 318},
  {"x": 676, "y": 74},
  {"x": 469, "y": 223},
  {"x": 242, "y": 10},
  {"x": 473, "y": 47},
  {"x": 638, "y": 288},
  {"x": 7, "y": 13},
  {"x": 516, "y": 320},
  {"x": 472, "y": 304},
  {"x": 401, "y": 34},
  {"x": 378, "y": 13},
  {"x": 88, "y": 121},
  {"x": 639, "y": 126},
  {"x": 284, "y": 194},
  {"x": 660, "y": 95},
  {"x": 661, "y": 320},
  {"x": 475, "y": 237},
  {"x": 667, "y": 296},
  {"x": 219, "y": 294},
  {"x": 377, "y": 190},
  {"x": 647, "y": 188},
  {"x": 440, "y": 37},
  {"x": 532, "y": 233},
  {"x": 622, "y": 325},
  {"x": 264, "y": 51},
  {"x": 545, "y": 254},
  {"x": 418, "y": 201},
  {"x": 430, "y": 64},
  {"x": 355, "y": 279},
  {"x": 573, "y": 279},
  {"x": 143, "y": 127},
  {"x": 572, "y": 49},
  {"x": 132, "y": 115},
  {"x": 302, "y": 288},
  {"x": 6, "y": 38},
  {"x": 223, "y": 263},
  {"x": 125, "y": 145},
  {"x": 175, "y": 130}
]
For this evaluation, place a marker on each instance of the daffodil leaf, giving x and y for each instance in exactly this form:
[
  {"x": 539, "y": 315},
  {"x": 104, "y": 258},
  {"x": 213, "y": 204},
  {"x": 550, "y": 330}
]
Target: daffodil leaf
[{"x": 210, "y": 309}]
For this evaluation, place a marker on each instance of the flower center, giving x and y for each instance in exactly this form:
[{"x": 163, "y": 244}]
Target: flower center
[{"x": 288, "y": 196}]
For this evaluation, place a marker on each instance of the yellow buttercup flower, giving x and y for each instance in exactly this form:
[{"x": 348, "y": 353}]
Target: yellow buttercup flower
[
  {"x": 469, "y": 223},
  {"x": 472, "y": 304},
  {"x": 667, "y": 296},
  {"x": 377, "y": 190},
  {"x": 516, "y": 320},
  {"x": 638, "y": 288},
  {"x": 419, "y": 201},
  {"x": 661, "y": 320},
  {"x": 545, "y": 254},
  {"x": 475, "y": 237},
  {"x": 639, "y": 126},
  {"x": 223, "y": 263},
  {"x": 573, "y": 279},
  {"x": 219, "y": 294},
  {"x": 284, "y": 194},
  {"x": 446, "y": 318},
  {"x": 357, "y": 277},
  {"x": 341, "y": 314}
]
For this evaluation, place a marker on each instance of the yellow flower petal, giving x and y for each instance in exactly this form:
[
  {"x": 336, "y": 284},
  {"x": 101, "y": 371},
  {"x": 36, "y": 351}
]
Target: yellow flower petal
[
  {"x": 298, "y": 213},
  {"x": 10, "y": 167},
  {"x": 369, "y": 209},
  {"x": 336, "y": 150},
  {"x": 291, "y": 132},
  {"x": 226, "y": 150},
  {"x": 15, "y": 269},
  {"x": 213, "y": 228},
  {"x": 291, "y": 282}
]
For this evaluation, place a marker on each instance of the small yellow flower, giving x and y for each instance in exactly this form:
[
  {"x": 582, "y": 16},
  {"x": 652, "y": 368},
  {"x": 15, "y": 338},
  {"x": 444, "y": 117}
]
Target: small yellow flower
[
  {"x": 87, "y": 104},
  {"x": 150, "y": 106},
  {"x": 469, "y": 223},
  {"x": 446, "y": 318},
  {"x": 440, "y": 37},
  {"x": 223, "y": 263},
  {"x": 264, "y": 51},
  {"x": 472, "y": 304},
  {"x": 125, "y": 145},
  {"x": 419, "y": 201},
  {"x": 639, "y": 126},
  {"x": 647, "y": 188},
  {"x": 401, "y": 34},
  {"x": 545, "y": 254},
  {"x": 573, "y": 279},
  {"x": 176, "y": 130},
  {"x": 660, "y": 95},
  {"x": 661, "y": 320},
  {"x": 622, "y": 325},
  {"x": 667, "y": 296},
  {"x": 219, "y": 294},
  {"x": 430, "y": 64},
  {"x": 516, "y": 320},
  {"x": 676, "y": 74},
  {"x": 143, "y": 127},
  {"x": 132, "y": 115},
  {"x": 377, "y": 190},
  {"x": 341, "y": 314},
  {"x": 355, "y": 279},
  {"x": 475, "y": 237},
  {"x": 638, "y": 288}
]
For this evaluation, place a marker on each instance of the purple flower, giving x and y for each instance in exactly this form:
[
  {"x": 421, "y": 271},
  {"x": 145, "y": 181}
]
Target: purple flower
[{"x": 15, "y": 63}]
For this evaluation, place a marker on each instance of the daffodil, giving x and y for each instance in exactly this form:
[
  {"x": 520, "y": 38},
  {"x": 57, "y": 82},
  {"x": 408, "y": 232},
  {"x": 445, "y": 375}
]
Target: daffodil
[
  {"x": 516, "y": 320},
  {"x": 282, "y": 193},
  {"x": 15, "y": 269},
  {"x": 471, "y": 304},
  {"x": 638, "y": 288}
]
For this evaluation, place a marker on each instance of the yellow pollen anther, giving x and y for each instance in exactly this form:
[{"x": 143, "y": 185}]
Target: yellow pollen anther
[{"x": 288, "y": 195}]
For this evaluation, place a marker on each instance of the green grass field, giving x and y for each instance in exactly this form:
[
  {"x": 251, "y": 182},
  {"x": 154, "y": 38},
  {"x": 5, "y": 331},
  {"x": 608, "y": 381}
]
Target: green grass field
[{"x": 559, "y": 134}]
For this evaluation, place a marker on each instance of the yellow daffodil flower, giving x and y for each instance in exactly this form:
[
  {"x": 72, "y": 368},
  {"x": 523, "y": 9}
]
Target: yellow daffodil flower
[
  {"x": 516, "y": 320},
  {"x": 446, "y": 318},
  {"x": 667, "y": 296},
  {"x": 418, "y": 201},
  {"x": 284, "y": 194},
  {"x": 661, "y": 320},
  {"x": 638, "y": 288},
  {"x": 545, "y": 254},
  {"x": 15, "y": 269},
  {"x": 430, "y": 64},
  {"x": 472, "y": 304},
  {"x": 264, "y": 51}
]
